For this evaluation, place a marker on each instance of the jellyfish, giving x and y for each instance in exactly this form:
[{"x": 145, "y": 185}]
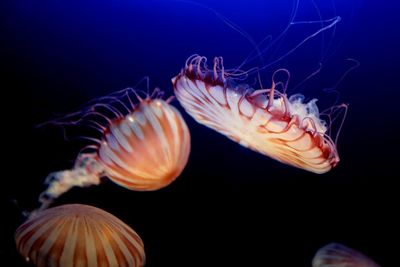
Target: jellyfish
[
  {"x": 337, "y": 255},
  {"x": 78, "y": 235},
  {"x": 284, "y": 128},
  {"x": 143, "y": 146}
]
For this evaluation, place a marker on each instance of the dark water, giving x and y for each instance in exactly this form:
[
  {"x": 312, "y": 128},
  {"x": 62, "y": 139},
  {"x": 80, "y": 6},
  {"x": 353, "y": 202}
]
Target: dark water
[{"x": 230, "y": 206}]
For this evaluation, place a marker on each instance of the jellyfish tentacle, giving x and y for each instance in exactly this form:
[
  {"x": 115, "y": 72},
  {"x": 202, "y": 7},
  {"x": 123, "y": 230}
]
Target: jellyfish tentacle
[{"x": 86, "y": 172}]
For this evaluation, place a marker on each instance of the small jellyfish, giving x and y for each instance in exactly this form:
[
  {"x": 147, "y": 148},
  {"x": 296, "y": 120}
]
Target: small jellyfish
[
  {"x": 78, "y": 235},
  {"x": 264, "y": 120},
  {"x": 143, "y": 146},
  {"x": 337, "y": 255}
]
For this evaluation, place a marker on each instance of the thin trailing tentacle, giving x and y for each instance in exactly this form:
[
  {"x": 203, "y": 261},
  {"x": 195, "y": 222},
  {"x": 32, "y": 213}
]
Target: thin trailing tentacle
[{"x": 86, "y": 172}]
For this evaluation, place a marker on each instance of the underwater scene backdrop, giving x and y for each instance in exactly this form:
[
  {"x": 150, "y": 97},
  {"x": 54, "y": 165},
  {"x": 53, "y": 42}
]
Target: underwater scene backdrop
[{"x": 230, "y": 206}]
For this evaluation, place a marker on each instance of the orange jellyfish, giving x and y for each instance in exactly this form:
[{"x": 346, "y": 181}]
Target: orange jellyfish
[
  {"x": 266, "y": 120},
  {"x": 142, "y": 146},
  {"x": 337, "y": 255},
  {"x": 79, "y": 235}
]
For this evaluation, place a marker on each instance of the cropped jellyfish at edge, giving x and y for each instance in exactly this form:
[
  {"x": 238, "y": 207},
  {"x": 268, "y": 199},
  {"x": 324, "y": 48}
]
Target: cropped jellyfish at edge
[
  {"x": 265, "y": 120},
  {"x": 78, "y": 235},
  {"x": 141, "y": 146},
  {"x": 337, "y": 255}
]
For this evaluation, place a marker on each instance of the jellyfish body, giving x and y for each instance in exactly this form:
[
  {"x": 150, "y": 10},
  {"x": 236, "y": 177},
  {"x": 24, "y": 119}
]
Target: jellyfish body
[
  {"x": 265, "y": 120},
  {"x": 79, "y": 235},
  {"x": 147, "y": 149},
  {"x": 144, "y": 149},
  {"x": 337, "y": 255}
]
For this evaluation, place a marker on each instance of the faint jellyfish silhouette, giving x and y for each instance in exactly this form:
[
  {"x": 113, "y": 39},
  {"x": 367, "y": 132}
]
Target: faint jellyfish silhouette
[
  {"x": 337, "y": 255},
  {"x": 142, "y": 146},
  {"x": 78, "y": 235}
]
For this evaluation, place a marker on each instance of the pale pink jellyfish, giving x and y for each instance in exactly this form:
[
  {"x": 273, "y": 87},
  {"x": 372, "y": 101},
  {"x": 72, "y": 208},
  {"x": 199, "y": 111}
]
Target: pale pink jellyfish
[
  {"x": 78, "y": 235},
  {"x": 143, "y": 146},
  {"x": 337, "y": 255},
  {"x": 265, "y": 120}
]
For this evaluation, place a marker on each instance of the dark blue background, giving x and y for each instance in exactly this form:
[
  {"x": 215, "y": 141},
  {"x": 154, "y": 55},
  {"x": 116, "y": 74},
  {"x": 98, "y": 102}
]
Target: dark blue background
[{"x": 230, "y": 205}]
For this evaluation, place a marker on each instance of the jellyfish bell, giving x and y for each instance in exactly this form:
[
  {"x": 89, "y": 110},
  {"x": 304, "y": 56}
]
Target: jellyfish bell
[
  {"x": 142, "y": 146},
  {"x": 147, "y": 149},
  {"x": 337, "y": 255},
  {"x": 78, "y": 235},
  {"x": 266, "y": 120}
]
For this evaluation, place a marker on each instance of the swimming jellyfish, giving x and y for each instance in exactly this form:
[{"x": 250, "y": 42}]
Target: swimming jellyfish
[
  {"x": 337, "y": 255},
  {"x": 265, "y": 120},
  {"x": 78, "y": 235},
  {"x": 145, "y": 149}
]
